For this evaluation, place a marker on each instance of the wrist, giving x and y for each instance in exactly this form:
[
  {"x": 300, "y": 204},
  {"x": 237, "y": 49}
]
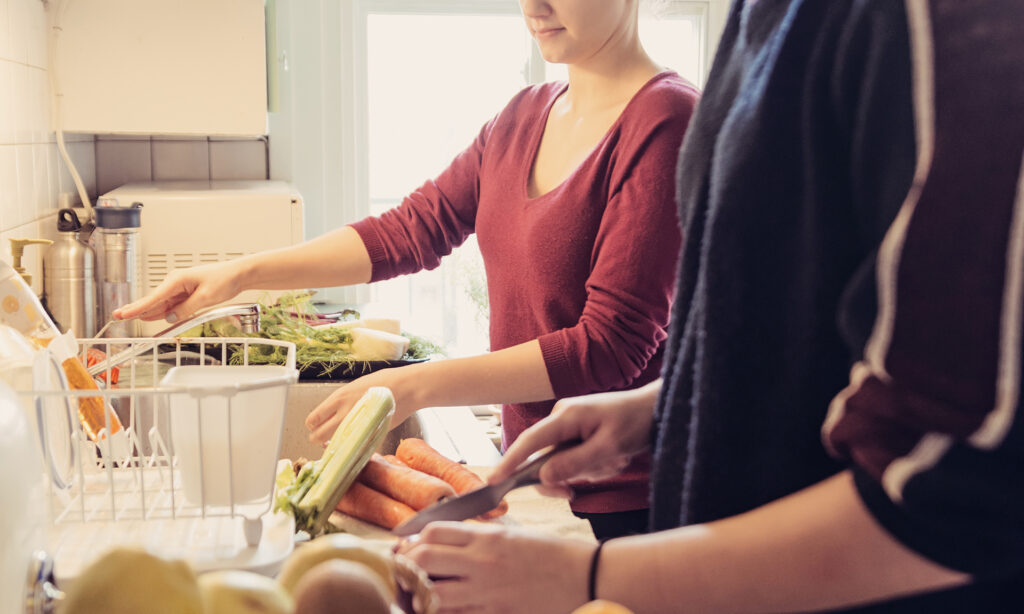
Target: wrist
[
  {"x": 246, "y": 271},
  {"x": 409, "y": 388}
]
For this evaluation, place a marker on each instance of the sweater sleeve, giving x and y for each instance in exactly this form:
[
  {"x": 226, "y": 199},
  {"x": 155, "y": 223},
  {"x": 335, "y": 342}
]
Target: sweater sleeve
[
  {"x": 430, "y": 222},
  {"x": 931, "y": 418},
  {"x": 629, "y": 288}
]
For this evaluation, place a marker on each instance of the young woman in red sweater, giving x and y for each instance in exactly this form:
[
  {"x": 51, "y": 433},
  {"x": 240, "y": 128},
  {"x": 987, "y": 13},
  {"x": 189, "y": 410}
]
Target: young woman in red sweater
[{"x": 570, "y": 191}]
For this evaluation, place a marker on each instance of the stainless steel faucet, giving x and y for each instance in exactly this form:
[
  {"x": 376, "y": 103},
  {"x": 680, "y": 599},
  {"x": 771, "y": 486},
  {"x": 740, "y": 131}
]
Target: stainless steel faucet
[{"x": 249, "y": 321}]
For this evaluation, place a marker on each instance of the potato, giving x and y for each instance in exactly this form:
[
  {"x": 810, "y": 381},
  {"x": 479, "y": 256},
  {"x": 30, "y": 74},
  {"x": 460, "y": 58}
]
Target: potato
[
  {"x": 243, "y": 592},
  {"x": 129, "y": 581},
  {"x": 375, "y": 555},
  {"x": 341, "y": 587}
]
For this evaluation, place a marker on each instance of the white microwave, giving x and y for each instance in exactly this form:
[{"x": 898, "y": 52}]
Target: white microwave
[{"x": 185, "y": 223}]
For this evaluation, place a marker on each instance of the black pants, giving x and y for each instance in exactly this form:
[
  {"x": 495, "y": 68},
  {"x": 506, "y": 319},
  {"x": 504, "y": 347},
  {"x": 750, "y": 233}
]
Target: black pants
[{"x": 616, "y": 524}]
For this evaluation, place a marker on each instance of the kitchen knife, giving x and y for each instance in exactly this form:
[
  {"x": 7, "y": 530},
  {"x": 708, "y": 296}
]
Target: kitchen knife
[{"x": 474, "y": 503}]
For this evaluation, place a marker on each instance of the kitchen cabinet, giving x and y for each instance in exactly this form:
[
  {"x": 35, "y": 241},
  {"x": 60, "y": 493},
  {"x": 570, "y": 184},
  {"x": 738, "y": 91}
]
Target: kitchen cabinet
[{"x": 187, "y": 67}]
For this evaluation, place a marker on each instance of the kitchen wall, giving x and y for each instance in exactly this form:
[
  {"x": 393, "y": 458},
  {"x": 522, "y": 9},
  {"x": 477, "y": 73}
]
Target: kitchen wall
[
  {"x": 124, "y": 159},
  {"x": 32, "y": 173}
]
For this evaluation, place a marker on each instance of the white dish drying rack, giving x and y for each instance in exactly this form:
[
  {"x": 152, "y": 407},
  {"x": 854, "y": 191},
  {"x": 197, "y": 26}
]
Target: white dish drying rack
[{"x": 129, "y": 489}]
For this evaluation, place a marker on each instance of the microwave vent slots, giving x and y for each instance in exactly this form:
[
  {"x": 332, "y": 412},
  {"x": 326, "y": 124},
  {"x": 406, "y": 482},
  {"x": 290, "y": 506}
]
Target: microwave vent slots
[{"x": 159, "y": 265}]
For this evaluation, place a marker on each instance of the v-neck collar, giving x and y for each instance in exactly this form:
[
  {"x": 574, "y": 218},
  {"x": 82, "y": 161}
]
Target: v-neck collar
[{"x": 538, "y": 135}]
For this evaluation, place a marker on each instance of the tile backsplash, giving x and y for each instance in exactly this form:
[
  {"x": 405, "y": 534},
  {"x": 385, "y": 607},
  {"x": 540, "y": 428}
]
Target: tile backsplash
[
  {"x": 123, "y": 159},
  {"x": 33, "y": 174}
]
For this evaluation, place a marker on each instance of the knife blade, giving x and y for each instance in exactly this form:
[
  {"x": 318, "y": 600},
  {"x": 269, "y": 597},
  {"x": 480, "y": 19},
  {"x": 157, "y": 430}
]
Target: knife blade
[{"x": 483, "y": 499}]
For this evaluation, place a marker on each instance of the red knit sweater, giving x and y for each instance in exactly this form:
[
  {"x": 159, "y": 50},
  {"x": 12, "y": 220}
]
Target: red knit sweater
[{"x": 587, "y": 269}]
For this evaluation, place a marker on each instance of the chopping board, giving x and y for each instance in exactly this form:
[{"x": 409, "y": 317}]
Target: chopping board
[{"x": 526, "y": 508}]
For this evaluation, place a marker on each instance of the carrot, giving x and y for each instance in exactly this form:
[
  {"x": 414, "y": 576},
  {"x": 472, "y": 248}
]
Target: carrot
[
  {"x": 394, "y": 460},
  {"x": 367, "y": 504},
  {"x": 92, "y": 411},
  {"x": 413, "y": 488},
  {"x": 419, "y": 455}
]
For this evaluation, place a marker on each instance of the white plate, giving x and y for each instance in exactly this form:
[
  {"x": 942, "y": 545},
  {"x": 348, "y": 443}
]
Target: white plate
[{"x": 53, "y": 414}]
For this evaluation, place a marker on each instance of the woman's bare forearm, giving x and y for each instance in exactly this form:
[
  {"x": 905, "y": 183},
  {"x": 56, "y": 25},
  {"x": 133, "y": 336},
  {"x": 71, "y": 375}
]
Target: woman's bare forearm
[
  {"x": 512, "y": 375},
  {"x": 336, "y": 258}
]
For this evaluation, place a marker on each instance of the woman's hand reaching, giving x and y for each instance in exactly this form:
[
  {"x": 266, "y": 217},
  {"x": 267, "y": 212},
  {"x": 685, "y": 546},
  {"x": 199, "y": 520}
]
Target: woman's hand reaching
[
  {"x": 185, "y": 291},
  {"x": 325, "y": 418},
  {"x": 614, "y": 427}
]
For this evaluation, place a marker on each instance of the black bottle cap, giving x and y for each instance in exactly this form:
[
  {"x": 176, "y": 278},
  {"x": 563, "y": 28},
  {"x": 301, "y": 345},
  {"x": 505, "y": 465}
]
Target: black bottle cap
[
  {"x": 67, "y": 221},
  {"x": 119, "y": 217}
]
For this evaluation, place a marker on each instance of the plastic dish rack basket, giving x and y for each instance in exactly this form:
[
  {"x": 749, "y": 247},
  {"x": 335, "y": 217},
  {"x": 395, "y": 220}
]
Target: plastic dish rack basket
[{"x": 189, "y": 470}]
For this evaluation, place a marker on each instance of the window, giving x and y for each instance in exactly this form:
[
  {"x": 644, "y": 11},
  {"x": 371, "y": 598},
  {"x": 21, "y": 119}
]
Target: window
[{"x": 425, "y": 76}]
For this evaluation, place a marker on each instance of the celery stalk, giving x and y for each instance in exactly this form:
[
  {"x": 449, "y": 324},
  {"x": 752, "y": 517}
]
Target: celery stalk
[{"x": 314, "y": 494}]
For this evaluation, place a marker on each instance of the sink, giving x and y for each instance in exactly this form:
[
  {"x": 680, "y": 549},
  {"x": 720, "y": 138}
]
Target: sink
[{"x": 305, "y": 396}]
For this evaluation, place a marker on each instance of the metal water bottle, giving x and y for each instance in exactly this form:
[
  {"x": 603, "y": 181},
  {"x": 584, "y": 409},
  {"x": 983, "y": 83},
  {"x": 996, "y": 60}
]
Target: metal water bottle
[
  {"x": 118, "y": 271},
  {"x": 69, "y": 278}
]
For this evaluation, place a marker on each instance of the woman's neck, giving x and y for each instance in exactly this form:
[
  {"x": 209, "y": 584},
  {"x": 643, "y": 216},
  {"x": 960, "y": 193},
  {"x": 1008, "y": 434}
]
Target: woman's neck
[{"x": 598, "y": 85}]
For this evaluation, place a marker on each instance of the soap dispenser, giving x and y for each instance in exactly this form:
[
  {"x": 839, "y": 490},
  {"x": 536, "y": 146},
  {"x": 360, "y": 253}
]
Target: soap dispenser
[
  {"x": 18, "y": 252},
  {"x": 69, "y": 282}
]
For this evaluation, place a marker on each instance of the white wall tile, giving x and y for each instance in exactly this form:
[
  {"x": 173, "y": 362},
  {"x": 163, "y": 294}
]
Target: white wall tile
[
  {"x": 7, "y": 93},
  {"x": 181, "y": 159},
  {"x": 121, "y": 161},
  {"x": 17, "y": 31},
  {"x": 238, "y": 159},
  {"x": 46, "y": 181},
  {"x": 21, "y": 101},
  {"x": 31, "y": 172},
  {"x": 36, "y": 51},
  {"x": 5, "y": 35},
  {"x": 26, "y": 195},
  {"x": 39, "y": 105},
  {"x": 8, "y": 187}
]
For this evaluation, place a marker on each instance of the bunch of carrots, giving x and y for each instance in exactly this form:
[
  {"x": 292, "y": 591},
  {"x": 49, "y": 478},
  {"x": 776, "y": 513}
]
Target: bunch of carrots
[{"x": 392, "y": 489}]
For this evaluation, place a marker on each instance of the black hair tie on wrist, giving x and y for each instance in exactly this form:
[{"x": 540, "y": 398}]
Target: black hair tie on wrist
[{"x": 594, "y": 560}]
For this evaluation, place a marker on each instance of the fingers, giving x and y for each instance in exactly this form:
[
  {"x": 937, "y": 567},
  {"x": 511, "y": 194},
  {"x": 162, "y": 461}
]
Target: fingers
[
  {"x": 443, "y": 551},
  {"x": 184, "y": 292},
  {"x": 438, "y": 549},
  {"x": 556, "y": 428},
  {"x": 323, "y": 433},
  {"x": 186, "y": 308},
  {"x": 325, "y": 417},
  {"x": 151, "y": 307},
  {"x": 158, "y": 303},
  {"x": 595, "y": 459},
  {"x": 447, "y": 533},
  {"x": 458, "y": 597},
  {"x": 440, "y": 561}
]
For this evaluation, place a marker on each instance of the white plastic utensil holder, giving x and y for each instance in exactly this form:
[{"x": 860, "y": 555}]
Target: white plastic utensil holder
[{"x": 127, "y": 490}]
